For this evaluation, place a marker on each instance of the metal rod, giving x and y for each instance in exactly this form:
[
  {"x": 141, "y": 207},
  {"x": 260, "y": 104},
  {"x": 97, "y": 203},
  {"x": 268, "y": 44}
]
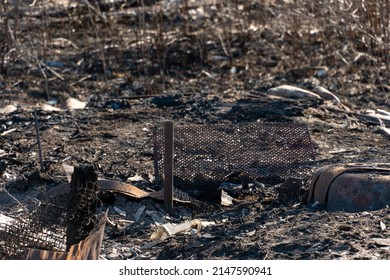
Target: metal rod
[
  {"x": 155, "y": 155},
  {"x": 38, "y": 141},
  {"x": 168, "y": 166}
]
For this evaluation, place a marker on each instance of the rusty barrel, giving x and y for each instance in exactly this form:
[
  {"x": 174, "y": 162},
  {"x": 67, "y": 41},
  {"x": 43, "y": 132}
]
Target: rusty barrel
[{"x": 351, "y": 187}]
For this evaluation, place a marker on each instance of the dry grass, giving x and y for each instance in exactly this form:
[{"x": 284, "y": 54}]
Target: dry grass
[{"x": 176, "y": 45}]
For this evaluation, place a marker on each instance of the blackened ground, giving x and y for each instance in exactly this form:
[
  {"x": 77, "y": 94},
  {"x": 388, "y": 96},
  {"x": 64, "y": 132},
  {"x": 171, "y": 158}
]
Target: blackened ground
[{"x": 200, "y": 83}]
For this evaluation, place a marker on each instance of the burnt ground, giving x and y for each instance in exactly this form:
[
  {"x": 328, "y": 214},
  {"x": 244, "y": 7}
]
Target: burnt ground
[{"x": 192, "y": 66}]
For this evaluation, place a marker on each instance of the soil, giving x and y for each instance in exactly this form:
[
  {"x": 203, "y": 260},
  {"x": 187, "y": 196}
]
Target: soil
[{"x": 198, "y": 74}]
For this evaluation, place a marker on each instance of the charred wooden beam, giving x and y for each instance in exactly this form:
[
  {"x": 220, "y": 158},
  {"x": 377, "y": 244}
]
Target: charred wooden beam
[{"x": 82, "y": 205}]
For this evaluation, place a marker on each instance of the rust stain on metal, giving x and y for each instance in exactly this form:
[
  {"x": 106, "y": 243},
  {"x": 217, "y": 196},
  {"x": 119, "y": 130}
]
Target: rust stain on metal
[
  {"x": 351, "y": 187},
  {"x": 321, "y": 180},
  {"x": 119, "y": 187},
  {"x": 88, "y": 249},
  {"x": 354, "y": 192}
]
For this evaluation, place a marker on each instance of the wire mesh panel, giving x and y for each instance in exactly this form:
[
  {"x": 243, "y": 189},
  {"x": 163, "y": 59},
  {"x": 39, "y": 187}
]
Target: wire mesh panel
[
  {"x": 55, "y": 223},
  {"x": 207, "y": 155},
  {"x": 41, "y": 228}
]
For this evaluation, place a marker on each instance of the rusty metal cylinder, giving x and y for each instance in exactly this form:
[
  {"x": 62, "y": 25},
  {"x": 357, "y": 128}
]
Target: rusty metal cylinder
[{"x": 352, "y": 188}]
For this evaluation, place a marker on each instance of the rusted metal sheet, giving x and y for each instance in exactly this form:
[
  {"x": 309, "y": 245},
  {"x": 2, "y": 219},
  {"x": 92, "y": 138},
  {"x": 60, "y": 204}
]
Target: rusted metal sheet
[
  {"x": 35, "y": 254},
  {"x": 118, "y": 187},
  {"x": 87, "y": 249},
  {"x": 351, "y": 187},
  {"x": 108, "y": 185}
]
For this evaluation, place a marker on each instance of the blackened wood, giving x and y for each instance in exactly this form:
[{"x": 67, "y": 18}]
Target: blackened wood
[{"x": 81, "y": 205}]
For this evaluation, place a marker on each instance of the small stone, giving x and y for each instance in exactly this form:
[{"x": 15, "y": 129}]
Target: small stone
[
  {"x": 73, "y": 103},
  {"x": 233, "y": 70},
  {"x": 8, "y": 109},
  {"x": 383, "y": 226},
  {"x": 321, "y": 73}
]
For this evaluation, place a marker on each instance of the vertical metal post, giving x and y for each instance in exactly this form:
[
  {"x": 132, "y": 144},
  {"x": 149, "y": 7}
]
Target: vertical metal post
[
  {"x": 168, "y": 166},
  {"x": 38, "y": 141},
  {"x": 155, "y": 155}
]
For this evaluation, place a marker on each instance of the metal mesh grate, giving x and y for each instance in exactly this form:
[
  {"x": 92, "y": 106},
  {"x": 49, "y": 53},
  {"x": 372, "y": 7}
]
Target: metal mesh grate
[
  {"x": 54, "y": 224},
  {"x": 207, "y": 155},
  {"x": 43, "y": 227}
]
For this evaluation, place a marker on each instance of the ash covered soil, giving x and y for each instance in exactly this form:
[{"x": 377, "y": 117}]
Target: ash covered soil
[{"x": 206, "y": 69}]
